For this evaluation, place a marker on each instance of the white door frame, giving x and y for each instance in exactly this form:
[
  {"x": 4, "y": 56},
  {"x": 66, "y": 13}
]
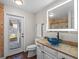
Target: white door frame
[{"x": 8, "y": 52}]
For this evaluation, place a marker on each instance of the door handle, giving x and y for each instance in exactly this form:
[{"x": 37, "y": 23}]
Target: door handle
[{"x": 22, "y": 35}]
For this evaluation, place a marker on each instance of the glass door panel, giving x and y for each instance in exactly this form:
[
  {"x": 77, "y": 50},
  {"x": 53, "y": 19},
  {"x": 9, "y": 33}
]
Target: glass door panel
[{"x": 14, "y": 34}]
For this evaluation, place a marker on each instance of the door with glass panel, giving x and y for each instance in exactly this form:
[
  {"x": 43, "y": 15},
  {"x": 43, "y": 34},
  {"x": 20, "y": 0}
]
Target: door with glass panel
[{"x": 15, "y": 34}]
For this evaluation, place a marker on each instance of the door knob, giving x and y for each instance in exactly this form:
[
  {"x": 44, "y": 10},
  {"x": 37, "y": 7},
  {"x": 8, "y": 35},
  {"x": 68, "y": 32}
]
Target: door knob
[{"x": 22, "y": 35}]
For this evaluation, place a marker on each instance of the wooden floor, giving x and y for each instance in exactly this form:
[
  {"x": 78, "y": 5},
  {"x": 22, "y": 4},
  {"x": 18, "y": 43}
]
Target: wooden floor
[{"x": 21, "y": 55}]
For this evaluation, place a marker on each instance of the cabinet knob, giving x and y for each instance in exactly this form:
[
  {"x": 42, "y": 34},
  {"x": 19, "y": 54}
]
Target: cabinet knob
[
  {"x": 38, "y": 45},
  {"x": 63, "y": 58},
  {"x": 42, "y": 51}
]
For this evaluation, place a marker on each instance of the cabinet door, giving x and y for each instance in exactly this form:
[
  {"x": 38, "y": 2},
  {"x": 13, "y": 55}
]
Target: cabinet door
[
  {"x": 39, "y": 54},
  {"x": 39, "y": 51},
  {"x": 49, "y": 56}
]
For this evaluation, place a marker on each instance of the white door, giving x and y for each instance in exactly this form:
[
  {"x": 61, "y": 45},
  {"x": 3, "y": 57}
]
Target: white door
[{"x": 15, "y": 30}]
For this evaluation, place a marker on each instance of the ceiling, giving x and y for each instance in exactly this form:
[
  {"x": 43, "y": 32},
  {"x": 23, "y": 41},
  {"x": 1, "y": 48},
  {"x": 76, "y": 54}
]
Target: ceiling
[{"x": 32, "y": 6}]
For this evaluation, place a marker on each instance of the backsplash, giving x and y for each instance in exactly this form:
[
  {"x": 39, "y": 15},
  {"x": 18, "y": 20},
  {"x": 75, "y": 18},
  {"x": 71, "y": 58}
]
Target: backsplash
[{"x": 64, "y": 36}]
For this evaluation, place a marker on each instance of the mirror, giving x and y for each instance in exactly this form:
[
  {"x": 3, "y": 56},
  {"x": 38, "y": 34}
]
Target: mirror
[{"x": 62, "y": 17}]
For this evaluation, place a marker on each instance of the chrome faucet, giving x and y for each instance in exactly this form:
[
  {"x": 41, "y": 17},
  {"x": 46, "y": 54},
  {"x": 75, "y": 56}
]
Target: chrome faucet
[{"x": 58, "y": 35}]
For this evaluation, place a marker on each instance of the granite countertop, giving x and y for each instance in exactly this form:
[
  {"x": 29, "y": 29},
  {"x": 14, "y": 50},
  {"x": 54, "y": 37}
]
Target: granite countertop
[{"x": 63, "y": 48}]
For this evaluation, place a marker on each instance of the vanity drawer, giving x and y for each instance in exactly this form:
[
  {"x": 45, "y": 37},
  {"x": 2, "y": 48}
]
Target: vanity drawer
[
  {"x": 51, "y": 51},
  {"x": 63, "y": 56}
]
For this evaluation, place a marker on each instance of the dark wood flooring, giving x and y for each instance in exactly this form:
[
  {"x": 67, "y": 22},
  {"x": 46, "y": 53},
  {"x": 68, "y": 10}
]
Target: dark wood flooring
[{"x": 21, "y": 55}]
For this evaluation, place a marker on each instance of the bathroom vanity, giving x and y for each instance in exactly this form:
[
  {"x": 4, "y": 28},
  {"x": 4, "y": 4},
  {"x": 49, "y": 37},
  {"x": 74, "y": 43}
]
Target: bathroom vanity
[{"x": 62, "y": 51}]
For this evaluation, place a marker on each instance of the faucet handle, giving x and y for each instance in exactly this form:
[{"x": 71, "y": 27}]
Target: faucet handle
[{"x": 58, "y": 35}]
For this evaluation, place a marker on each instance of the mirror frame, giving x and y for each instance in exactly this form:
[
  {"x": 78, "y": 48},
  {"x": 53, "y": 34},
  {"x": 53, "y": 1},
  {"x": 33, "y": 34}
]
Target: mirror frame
[{"x": 75, "y": 17}]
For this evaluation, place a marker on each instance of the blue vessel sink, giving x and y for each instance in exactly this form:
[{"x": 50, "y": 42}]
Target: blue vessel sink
[{"x": 54, "y": 41}]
